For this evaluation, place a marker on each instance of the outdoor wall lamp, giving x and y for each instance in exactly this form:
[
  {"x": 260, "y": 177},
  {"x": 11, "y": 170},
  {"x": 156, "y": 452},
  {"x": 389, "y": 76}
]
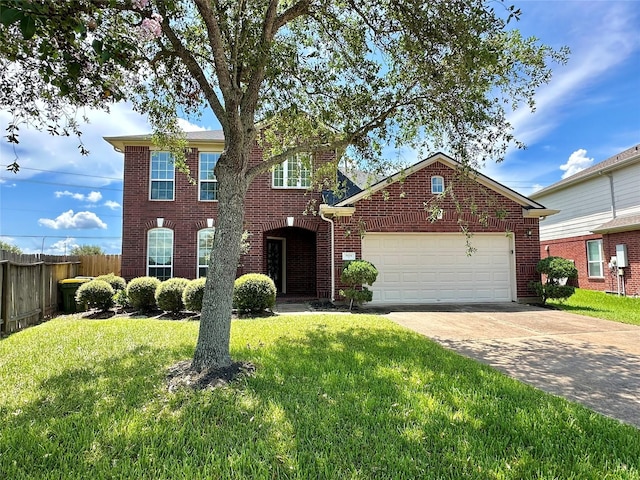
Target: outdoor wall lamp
[
  {"x": 290, "y": 221},
  {"x": 529, "y": 233}
]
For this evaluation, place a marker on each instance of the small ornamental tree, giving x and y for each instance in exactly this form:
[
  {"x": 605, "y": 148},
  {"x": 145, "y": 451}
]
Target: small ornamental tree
[
  {"x": 356, "y": 275},
  {"x": 557, "y": 271}
]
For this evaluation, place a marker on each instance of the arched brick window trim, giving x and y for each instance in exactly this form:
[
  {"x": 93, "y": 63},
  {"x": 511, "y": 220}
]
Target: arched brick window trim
[
  {"x": 154, "y": 224},
  {"x": 299, "y": 222}
]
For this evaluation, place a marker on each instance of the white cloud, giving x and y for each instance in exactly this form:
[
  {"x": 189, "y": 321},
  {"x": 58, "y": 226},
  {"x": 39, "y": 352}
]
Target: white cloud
[
  {"x": 536, "y": 188},
  {"x": 187, "y": 126},
  {"x": 39, "y": 150},
  {"x": 112, "y": 205},
  {"x": 93, "y": 197},
  {"x": 577, "y": 162},
  {"x": 80, "y": 220},
  {"x": 62, "y": 247},
  {"x": 592, "y": 56}
]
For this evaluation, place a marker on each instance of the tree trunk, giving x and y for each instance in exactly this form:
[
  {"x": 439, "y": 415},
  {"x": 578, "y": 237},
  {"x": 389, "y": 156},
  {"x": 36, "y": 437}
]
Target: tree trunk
[{"x": 212, "y": 349}]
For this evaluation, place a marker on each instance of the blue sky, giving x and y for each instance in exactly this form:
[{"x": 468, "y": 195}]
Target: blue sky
[{"x": 589, "y": 112}]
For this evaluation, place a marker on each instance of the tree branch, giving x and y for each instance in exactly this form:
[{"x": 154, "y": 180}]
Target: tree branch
[
  {"x": 194, "y": 68},
  {"x": 218, "y": 49}
]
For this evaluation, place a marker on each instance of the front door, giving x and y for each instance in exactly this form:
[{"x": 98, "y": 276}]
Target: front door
[{"x": 275, "y": 262}]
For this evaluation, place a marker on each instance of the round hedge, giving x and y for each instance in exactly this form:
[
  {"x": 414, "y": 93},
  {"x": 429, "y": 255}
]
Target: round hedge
[
  {"x": 116, "y": 282},
  {"x": 192, "y": 295},
  {"x": 142, "y": 293},
  {"x": 169, "y": 294},
  {"x": 95, "y": 294},
  {"x": 254, "y": 292}
]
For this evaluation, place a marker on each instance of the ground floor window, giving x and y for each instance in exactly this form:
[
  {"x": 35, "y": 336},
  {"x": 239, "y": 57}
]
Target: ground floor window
[
  {"x": 160, "y": 253},
  {"x": 205, "y": 244},
  {"x": 594, "y": 258}
]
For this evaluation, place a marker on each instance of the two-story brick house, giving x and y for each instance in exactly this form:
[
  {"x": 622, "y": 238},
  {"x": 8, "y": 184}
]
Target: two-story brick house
[
  {"x": 168, "y": 223},
  {"x": 599, "y": 220}
]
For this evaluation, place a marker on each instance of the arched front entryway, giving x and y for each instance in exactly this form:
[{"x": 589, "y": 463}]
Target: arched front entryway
[{"x": 290, "y": 260}]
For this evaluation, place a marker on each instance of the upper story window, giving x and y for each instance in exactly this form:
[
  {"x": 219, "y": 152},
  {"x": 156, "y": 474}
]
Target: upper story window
[
  {"x": 595, "y": 265},
  {"x": 160, "y": 253},
  {"x": 162, "y": 176},
  {"x": 294, "y": 172},
  {"x": 205, "y": 245},
  {"x": 207, "y": 179},
  {"x": 437, "y": 184}
]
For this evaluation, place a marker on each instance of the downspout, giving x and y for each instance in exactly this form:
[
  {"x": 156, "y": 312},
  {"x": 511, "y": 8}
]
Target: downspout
[
  {"x": 333, "y": 257},
  {"x": 611, "y": 193}
]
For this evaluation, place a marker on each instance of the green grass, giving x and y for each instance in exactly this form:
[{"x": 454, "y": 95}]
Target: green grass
[
  {"x": 602, "y": 305},
  {"x": 344, "y": 396}
]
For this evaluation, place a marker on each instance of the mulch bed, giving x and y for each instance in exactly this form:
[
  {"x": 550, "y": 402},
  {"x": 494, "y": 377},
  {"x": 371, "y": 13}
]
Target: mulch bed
[{"x": 181, "y": 375}]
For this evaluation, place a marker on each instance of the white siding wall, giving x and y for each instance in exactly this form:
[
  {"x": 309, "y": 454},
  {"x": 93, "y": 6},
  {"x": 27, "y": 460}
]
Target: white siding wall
[
  {"x": 587, "y": 205},
  {"x": 626, "y": 183},
  {"x": 582, "y": 208}
]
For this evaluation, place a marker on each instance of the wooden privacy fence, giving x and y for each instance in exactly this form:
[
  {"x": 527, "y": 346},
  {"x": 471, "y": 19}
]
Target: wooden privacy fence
[
  {"x": 94, "y": 265},
  {"x": 29, "y": 290}
]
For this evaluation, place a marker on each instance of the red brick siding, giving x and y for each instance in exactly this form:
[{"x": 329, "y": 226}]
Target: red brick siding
[
  {"x": 575, "y": 248},
  {"x": 404, "y": 211},
  {"x": 266, "y": 209},
  {"x": 632, "y": 272}
]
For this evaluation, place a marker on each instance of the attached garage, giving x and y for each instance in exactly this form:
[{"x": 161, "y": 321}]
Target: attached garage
[{"x": 435, "y": 267}]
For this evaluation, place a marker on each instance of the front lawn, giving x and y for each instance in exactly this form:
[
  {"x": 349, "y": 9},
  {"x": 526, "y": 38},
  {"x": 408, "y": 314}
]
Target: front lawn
[
  {"x": 602, "y": 305},
  {"x": 333, "y": 397}
]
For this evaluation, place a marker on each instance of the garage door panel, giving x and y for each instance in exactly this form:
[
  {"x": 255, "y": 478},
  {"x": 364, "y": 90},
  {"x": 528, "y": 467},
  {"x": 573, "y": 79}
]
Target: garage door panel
[{"x": 431, "y": 268}]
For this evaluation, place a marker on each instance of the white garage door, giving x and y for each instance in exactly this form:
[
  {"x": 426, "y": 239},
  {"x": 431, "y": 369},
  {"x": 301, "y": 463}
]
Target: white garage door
[{"x": 435, "y": 268}]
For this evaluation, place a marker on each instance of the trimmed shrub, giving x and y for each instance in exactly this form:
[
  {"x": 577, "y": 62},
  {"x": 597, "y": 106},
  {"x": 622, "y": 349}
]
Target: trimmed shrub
[
  {"x": 193, "y": 293},
  {"x": 116, "y": 282},
  {"x": 169, "y": 294},
  {"x": 95, "y": 294},
  {"x": 557, "y": 271},
  {"x": 355, "y": 275},
  {"x": 121, "y": 299},
  {"x": 142, "y": 293},
  {"x": 254, "y": 292}
]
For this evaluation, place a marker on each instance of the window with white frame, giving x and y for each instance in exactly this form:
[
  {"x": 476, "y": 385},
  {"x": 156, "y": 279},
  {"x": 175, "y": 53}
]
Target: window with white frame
[
  {"x": 162, "y": 176},
  {"x": 207, "y": 179},
  {"x": 594, "y": 258},
  {"x": 160, "y": 253},
  {"x": 205, "y": 245},
  {"x": 294, "y": 172},
  {"x": 437, "y": 184}
]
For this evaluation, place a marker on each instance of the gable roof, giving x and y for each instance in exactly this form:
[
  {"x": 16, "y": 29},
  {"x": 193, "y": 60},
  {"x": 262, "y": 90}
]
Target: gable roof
[
  {"x": 622, "y": 159},
  {"x": 525, "y": 202},
  {"x": 199, "y": 137}
]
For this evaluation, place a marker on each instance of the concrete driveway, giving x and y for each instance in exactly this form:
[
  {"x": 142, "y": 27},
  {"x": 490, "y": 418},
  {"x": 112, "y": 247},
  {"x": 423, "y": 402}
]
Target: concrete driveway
[{"x": 591, "y": 361}]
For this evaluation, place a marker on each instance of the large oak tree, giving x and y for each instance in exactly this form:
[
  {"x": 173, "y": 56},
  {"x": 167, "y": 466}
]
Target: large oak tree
[{"x": 297, "y": 75}]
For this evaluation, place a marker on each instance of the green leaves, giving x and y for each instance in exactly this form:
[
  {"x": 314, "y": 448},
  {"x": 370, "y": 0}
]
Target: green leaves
[
  {"x": 9, "y": 16},
  {"x": 27, "y": 23}
]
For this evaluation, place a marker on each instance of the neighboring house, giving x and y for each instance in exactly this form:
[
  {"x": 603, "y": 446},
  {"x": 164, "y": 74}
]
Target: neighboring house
[
  {"x": 168, "y": 223},
  {"x": 599, "y": 219}
]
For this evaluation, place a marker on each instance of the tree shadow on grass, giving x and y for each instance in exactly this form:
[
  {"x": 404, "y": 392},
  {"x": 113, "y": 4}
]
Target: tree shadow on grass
[
  {"x": 573, "y": 308},
  {"x": 359, "y": 402}
]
